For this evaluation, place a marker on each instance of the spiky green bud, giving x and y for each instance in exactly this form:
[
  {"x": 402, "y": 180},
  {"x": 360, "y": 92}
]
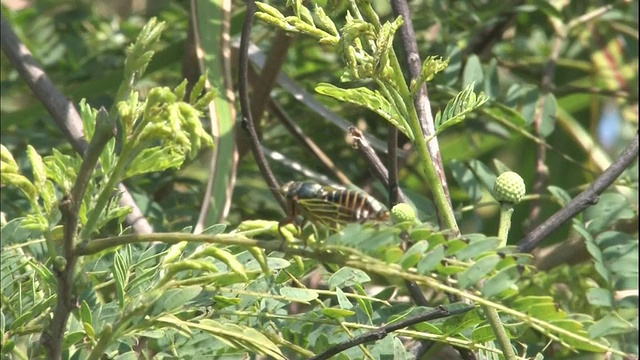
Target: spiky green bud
[
  {"x": 403, "y": 213},
  {"x": 509, "y": 187}
]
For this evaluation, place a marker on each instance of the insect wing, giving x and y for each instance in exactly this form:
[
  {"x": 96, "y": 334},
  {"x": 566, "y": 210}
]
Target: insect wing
[{"x": 327, "y": 213}]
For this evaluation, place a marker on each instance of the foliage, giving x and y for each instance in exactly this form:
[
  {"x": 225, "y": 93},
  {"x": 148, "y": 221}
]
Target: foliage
[{"x": 244, "y": 287}]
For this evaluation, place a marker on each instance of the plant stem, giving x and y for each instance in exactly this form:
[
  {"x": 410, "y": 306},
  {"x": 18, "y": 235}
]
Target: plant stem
[
  {"x": 506, "y": 210},
  {"x": 107, "y": 191},
  {"x": 439, "y": 195},
  {"x": 501, "y": 334},
  {"x": 52, "y": 337}
]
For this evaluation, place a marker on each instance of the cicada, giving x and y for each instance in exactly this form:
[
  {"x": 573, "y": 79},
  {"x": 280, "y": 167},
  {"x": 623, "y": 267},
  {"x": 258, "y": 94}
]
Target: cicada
[{"x": 329, "y": 206}]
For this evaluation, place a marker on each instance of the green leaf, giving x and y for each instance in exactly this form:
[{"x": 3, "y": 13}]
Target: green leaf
[
  {"x": 22, "y": 183},
  {"x": 371, "y": 100},
  {"x": 452, "y": 73},
  {"x": 455, "y": 245},
  {"x": 158, "y": 158},
  {"x": 343, "y": 301},
  {"x": 226, "y": 258},
  {"x": 324, "y": 22},
  {"x": 473, "y": 73},
  {"x": 173, "y": 299},
  {"x": 548, "y": 115},
  {"x": 501, "y": 281},
  {"x": 600, "y": 297},
  {"x": 214, "y": 229},
  {"x": 39, "y": 175},
  {"x": 468, "y": 180},
  {"x": 73, "y": 338},
  {"x": 120, "y": 268},
  {"x": 431, "y": 260},
  {"x": 477, "y": 271},
  {"x": 347, "y": 276},
  {"x": 9, "y": 165},
  {"x": 458, "y": 108},
  {"x": 491, "y": 81},
  {"x": 501, "y": 112},
  {"x": 85, "y": 313},
  {"x": 449, "y": 270},
  {"x": 337, "y": 314},
  {"x": 221, "y": 302},
  {"x": 611, "y": 207},
  {"x": 483, "y": 333},
  {"x": 430, "y": 67},
  {"x": 414, "y": 254},
  {"x": 298, "y": 294},
  {"x": 270, "y": 10},
  {"x": 559, "y": 195},
  {"x": 399, "y": 352},
  {"x": 478, "y": 247},
  {"x": 612, "y": 324},
  {"x": 454, "y": 324},
  {"x": 524, "y": 99}
]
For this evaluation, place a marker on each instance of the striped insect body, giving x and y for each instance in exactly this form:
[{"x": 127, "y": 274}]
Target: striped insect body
[{"x": 330, "y": 206}]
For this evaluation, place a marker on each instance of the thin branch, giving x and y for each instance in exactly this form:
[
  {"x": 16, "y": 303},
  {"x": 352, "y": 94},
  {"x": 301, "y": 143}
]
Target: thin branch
[
  {"x": 247, "y": 118},
  {"x": 392, "y": 165},
  {"x": 269, "y": 73},
  {"x": 61, "y": 110},
  {"x": 382, "y": 332},
  {"x": 266, "y": 80},
  {"x": 306, "y": 141},
  {"x": 308, "y": 99},
  {"x": 541, "y": 172},
  {"x": 367, "y": 152},
  {"x": 52, "y": 338},
  {"x": 421, "y": 100},
  {"x": 362, "y": 145},
  {"x": 585, "y": 199}
]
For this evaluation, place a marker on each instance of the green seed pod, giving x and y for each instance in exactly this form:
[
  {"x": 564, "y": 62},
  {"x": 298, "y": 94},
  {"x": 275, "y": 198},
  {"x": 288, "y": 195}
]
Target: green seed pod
[
  {"x": 403, "y": 213},
  {"x": 509, "y": 187},
  {"x": 59, "y": 263}
]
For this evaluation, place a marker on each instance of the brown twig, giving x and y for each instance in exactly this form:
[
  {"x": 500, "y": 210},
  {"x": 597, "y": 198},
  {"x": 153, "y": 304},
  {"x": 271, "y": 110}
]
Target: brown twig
[
  {"x": 362, "y": 145},
  {"x": 383, "y": 331},
  {"x": 247, "y": 117},
  {"x": 62, "y": 111},
  {"x": 585, "y": 199}
]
